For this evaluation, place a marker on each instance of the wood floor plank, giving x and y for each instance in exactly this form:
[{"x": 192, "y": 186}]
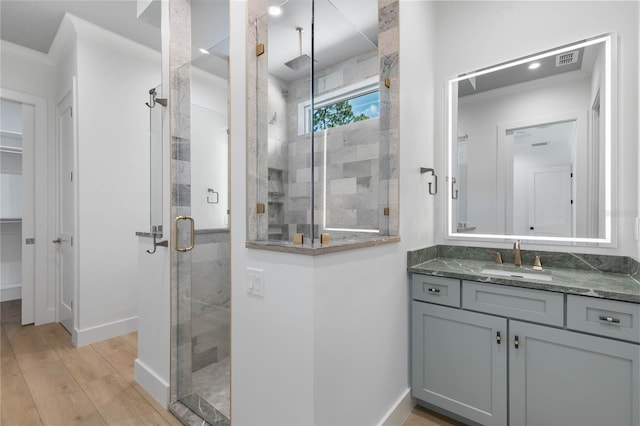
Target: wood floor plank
[
  {"x": 18, "y": 407},
  {"x": 131, "y": 339},
  {"x": 166, "y": 415},
  {"x": 119, "y": 354},
  {"x": 115, "y": 399},
  {"x": 422, "y": 417},
  {"x": 58, "y": 397},
  {"x": 5, "y": 346},
  {"x": 29, "y": 347}
]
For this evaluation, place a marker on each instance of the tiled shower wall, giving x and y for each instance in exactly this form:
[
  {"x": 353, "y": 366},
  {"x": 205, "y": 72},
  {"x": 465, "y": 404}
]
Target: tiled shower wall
[
  {"x": 352, "y": 153},
  {"x": 210, "y": 298}
]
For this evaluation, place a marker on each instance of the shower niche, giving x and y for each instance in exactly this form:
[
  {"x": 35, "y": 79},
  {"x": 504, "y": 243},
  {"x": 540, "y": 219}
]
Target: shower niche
[{"x": 322, "y": 132}]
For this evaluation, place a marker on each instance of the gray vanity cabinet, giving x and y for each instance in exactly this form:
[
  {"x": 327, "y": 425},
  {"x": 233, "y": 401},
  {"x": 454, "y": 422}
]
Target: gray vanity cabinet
[
  {"x": 557, "y": 377},
  {"x": 458, "y": 364},
  {"x": 493, "y": 349}
]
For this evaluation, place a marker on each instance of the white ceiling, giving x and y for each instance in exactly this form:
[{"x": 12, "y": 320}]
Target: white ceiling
[
  {"x": 33, "y": 23},
  {"x": 343, "y": 28}
]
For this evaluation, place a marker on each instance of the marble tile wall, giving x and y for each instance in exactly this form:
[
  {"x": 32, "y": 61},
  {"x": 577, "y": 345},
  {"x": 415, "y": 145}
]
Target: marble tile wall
[
  {"x": 362, "y": 158},
  {"x": 179, "y": 103},
  {"x": 210, "y": 298}
]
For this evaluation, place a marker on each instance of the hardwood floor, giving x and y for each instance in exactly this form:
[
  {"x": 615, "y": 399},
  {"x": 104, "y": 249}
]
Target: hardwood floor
[
  {"x": 423, "y": 417},
  {"x": 45, "y": 380}
]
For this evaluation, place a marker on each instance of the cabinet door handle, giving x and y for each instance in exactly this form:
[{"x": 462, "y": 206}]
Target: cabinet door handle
[
  {"x": 434, "y": 290},
  {"x": 609, "y": 319},
  {"x": 498, "y": 338},
  {"x": 516, "y": 342}
]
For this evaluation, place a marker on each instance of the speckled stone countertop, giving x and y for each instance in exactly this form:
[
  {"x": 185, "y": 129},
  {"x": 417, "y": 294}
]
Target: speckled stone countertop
[{"x": 608, "y": 277}]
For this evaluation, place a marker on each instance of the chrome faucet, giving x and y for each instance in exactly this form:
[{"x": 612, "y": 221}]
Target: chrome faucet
[{"x": 517, "y": 260}]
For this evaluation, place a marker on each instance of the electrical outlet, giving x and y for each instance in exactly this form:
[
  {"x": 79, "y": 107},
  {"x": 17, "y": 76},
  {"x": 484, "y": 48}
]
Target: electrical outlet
[{"x": 255, "y": 282}]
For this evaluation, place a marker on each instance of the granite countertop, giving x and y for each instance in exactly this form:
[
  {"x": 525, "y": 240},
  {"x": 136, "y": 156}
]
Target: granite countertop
[{"x": 606, "y": 285}]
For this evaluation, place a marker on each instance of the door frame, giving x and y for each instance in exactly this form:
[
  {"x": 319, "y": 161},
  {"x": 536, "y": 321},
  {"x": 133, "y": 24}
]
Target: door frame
[
  {"x": 72, "y": 93},
  {"x": 36, "y": 306},
  {"x": 504, "y": 155}
]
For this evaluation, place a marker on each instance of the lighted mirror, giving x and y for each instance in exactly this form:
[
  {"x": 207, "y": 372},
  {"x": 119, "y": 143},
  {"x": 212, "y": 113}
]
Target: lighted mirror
[
  {"x": 325, "y": 133},
  {"x": 530, "y": 147}
]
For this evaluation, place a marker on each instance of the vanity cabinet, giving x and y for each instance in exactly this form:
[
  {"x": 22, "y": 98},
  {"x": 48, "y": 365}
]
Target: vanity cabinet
[{"x": 476, "y": 364}]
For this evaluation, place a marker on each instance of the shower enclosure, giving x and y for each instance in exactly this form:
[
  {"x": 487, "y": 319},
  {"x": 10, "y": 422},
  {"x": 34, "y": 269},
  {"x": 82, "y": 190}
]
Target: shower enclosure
[{"x": 200, "y": 361}]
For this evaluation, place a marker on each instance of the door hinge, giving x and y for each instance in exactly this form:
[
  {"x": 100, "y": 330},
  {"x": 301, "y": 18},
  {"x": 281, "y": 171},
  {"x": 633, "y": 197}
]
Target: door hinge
[
  {"x": 572, "y": 174},
  {"x": 71, "y": 305},
  {"x": 571, "y": 201},
  {"x": 71, "y": 111},
  {"x": 71, "y": 174},
  {"x": 71, "y": 241}
]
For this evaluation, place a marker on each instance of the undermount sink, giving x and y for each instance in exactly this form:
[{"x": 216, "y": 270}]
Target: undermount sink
[{"x": 540, "y": 276}]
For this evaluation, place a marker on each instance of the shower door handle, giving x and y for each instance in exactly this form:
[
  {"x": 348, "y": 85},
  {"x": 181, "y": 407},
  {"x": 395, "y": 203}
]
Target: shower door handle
[{"x": 175, "y": 234}]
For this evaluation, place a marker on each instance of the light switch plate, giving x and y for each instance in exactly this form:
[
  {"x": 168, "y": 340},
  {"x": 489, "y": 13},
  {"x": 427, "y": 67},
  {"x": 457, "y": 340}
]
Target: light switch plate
[{"x": 255, "y": 282}]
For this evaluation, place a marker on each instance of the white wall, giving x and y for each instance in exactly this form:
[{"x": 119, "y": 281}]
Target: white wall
[
  {"x": 114, "y": 76},
  {"x": 152, "y": 368},
  {"x": 477, "y": 33},
  {"x": 337, "y": 325},
  {"x": 209, "y": 149}
]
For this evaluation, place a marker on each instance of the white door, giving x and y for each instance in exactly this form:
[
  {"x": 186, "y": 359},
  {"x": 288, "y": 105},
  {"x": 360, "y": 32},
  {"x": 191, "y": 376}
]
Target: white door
[
  {"x": 65, "y": 264},
  {"x": 28, "y": 214},
  {"x": 550, "y": 201}
]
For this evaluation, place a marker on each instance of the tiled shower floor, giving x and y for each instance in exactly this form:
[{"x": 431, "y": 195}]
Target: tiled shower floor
[{"x": 212, "y": 384}]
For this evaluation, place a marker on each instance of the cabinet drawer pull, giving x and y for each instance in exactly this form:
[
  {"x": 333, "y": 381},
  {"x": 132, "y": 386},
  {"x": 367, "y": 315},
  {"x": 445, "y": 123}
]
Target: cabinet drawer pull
[
  {"x": 516, "y": 342},
  {"x": 498, "y": 338},
  {"x": 434, "y": 290},
  {"x": 609, "y": 319}
]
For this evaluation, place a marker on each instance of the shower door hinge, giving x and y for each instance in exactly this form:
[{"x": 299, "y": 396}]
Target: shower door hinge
[
  {"x": 259, "y": 49},
  {"x": 71, "y": 177},
  {"x": 386, "y": 211},
  {"x": 260, "y": 208},
  {"x": 387, "y": 82}
]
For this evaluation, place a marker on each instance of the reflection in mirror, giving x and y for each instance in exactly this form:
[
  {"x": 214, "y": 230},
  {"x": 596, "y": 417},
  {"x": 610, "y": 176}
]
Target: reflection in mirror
[{"x": 530, "y": 147}]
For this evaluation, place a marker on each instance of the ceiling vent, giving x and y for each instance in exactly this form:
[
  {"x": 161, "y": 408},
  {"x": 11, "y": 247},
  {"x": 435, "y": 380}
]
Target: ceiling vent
[{"x": 567, "y": 58}]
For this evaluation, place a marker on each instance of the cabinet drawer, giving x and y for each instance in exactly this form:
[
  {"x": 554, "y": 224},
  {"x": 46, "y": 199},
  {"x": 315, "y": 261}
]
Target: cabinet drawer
[
  {"x": 443, "y": 291},
  {"x": 610, "y": 318},
  {"x": 521, "y": 303}
]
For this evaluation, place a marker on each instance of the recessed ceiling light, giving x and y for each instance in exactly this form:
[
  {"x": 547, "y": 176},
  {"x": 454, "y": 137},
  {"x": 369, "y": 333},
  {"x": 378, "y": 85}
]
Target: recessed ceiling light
[
  {"x": 275, "y": 10},
  {"x": 534, "y": 65},
  {"x": 203, "y": 51}
]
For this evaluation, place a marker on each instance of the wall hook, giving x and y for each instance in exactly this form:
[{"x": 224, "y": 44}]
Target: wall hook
[
  {"x": 433, "y": 173},
  {"x": 453, "y": 183},
  {"x": 164, "y": 243},
  {"x": 153, "y": 100}
]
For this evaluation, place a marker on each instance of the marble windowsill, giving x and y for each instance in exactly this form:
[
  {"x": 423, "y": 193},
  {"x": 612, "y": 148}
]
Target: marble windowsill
[
  {"x": 334, "y": 246},
  {"x": 607, "y": 277}
]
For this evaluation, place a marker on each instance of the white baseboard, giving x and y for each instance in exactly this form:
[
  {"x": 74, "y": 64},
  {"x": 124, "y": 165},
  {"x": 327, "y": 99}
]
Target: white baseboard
[
  {"x": 10, "y": 292},
  {"x": 399, "y": 411},
  {"x": 91, "y": 335},
  {"x": 151, "y": 382}
]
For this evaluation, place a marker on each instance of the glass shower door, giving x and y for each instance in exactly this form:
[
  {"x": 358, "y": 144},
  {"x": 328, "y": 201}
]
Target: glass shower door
[{"x": 201, "y": 239}]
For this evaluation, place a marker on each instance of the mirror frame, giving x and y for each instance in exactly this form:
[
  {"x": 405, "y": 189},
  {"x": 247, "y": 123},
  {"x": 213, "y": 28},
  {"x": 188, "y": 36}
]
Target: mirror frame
[{"x": 610, "y": 56}]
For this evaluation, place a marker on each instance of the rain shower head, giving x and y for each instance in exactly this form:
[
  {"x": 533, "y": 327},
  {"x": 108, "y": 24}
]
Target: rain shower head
[{"x": 302, "y": 61}]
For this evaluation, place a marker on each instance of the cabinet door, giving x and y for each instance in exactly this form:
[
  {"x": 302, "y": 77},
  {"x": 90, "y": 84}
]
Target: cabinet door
[
  {"x": 458, "y": 364},
  {"x": 558, "y": 377}
]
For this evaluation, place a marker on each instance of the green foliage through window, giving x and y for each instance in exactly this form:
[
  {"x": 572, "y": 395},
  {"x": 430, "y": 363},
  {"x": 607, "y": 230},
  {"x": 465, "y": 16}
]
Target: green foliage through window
[{"x": 346, "y": 111}]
